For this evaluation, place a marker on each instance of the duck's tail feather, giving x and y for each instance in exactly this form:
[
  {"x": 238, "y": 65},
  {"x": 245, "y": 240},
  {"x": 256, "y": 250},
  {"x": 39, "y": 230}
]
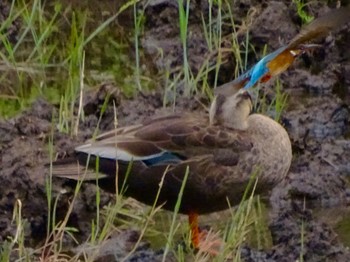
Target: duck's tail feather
[{"x": 71, "y": 169}]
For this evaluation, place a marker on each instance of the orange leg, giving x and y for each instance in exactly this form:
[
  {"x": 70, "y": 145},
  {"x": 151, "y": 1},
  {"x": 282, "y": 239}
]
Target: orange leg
[
  {"x": 204, "y": 241},
  {"x": 193, "y": 221}
]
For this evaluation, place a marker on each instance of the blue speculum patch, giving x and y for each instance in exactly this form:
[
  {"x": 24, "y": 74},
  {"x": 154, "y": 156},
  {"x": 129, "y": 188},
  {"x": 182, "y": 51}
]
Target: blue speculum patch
[{"x": 164, "y": 159}]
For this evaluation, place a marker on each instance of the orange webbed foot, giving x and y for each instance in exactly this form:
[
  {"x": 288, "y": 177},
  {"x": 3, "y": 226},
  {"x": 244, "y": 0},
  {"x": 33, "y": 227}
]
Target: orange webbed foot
[{"x": 204, "y": 241}]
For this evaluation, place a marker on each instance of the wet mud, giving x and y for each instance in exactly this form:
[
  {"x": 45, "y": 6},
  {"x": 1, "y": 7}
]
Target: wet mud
[{"x": 314, "y": 197}]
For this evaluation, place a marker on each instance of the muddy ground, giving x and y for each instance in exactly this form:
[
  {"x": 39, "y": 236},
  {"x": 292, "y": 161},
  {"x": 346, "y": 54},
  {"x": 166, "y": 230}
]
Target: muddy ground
[{"x": 317, "y": 120}]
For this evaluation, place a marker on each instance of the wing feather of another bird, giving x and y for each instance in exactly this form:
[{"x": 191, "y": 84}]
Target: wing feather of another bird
[
  {"x": 321, "y": 26},
  {"x": 233, "y": 86}
]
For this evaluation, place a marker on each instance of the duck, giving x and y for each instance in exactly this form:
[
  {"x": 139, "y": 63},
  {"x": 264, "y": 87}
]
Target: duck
[{"x": 219, "y": 151}]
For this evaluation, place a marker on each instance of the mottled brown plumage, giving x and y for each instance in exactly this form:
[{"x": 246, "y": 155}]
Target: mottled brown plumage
[{"x": 221, "y": 151}]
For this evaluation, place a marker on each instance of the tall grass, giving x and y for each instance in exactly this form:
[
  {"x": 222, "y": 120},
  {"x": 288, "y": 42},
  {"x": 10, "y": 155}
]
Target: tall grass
[
  {"x": 183, "y": 22},
  {"x": 216, "y": 55},
  {"x": 273, "y": 107},
  {"x": 76, "y": 70},
  {"x": 21, "y": 65},
  {"x": 45, "y": 60},
  {"x": 172, "y": 229}
]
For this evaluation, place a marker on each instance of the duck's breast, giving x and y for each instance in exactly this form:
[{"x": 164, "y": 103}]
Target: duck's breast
[{"x": 272, "y": 149}]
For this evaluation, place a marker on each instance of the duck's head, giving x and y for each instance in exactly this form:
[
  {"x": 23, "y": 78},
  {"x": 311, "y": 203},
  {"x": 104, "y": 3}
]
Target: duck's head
[{"x": 231, "y": 110}]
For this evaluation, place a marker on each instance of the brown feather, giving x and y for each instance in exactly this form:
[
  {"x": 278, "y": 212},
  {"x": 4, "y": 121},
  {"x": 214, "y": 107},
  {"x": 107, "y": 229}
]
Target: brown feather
[
  {"x": 139, "y": 148},
  {"x": 321, "y": 26}
]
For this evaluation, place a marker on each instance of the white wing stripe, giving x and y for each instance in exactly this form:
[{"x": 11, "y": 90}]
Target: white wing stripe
[{"x": 112, "y": 153}]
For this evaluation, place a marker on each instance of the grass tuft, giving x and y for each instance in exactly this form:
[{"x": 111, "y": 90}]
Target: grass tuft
[{"x": 304, "y": 16}]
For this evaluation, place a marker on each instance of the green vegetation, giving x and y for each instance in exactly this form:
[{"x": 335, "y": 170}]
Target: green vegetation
[
  {"x": 57, "y": 52},
  {"x": 273, "y": 107},
  {"x": 304, "y": 16},
  {"x": 183, "y": 21}
]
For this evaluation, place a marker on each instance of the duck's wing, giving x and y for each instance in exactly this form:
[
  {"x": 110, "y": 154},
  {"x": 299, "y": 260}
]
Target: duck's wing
[
  {"x": 321, "y": 26},
  {"x": 118, "y": 144},
  {"x": 173, "y": 143},
  {"x": 215, "y": 174},
  {"x": 168, "y": 140}
]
